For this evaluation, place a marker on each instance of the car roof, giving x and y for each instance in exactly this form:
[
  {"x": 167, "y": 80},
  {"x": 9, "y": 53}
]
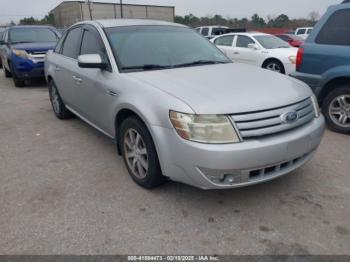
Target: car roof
[
  {"x": 30, "y": 26},
  {"x": 129, "y": 22},
  {"x": 246, "y": 33}
]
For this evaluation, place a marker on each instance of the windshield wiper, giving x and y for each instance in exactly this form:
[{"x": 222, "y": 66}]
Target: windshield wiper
[
  {"x": 146, "y": 67},
  {"x": 201, "y": 62}
]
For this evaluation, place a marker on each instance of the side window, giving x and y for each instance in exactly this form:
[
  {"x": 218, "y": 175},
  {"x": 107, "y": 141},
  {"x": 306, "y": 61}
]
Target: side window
[
  {"x": 59, "y": 44},
  {"x": 336, "y": 31},
  {"x": 205, "y": 31},
  {"x": 244, "y": 41},
  {"x": 198, "y": 29},
  {"x": 92, "y": 45},
  {"x": 218, "y": 31},
  {"x": 72, "y": 43},
  {"x": 309, "y": 31},
  {"x": 224, "y": 40},
  {"x": 301, "y": 32}
]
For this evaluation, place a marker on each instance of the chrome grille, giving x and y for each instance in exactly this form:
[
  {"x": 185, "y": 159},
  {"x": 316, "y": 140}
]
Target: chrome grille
[{"x": 268, "y": 122}]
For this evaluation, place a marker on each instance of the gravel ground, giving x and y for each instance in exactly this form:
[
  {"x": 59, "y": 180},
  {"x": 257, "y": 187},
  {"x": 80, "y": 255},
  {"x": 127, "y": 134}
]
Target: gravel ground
[{"x": 64, "y": 190}]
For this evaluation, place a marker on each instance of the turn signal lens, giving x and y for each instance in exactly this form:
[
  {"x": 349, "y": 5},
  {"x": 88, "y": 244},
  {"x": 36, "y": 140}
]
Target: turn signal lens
[{"x": 316, "y": 106}]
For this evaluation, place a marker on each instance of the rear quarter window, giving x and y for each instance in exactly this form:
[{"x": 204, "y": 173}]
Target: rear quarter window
[{"x": 336, "y": 31}]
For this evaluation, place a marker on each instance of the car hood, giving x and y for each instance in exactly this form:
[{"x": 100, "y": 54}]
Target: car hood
[
  {"x": 32, "y": 47},
  {"x": 226, "y": 88}
]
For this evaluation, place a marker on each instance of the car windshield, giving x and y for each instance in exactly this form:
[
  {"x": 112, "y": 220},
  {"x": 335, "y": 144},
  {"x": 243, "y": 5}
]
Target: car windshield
[
  {"x": 271, "y": 42},
  {"x": 140, "y": 48},
  {"x": 30, "y": 35}
]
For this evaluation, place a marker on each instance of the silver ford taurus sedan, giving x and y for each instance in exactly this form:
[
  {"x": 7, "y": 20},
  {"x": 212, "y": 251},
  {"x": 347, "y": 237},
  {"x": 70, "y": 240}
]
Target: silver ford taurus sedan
[{"x": 178, "y": 108}]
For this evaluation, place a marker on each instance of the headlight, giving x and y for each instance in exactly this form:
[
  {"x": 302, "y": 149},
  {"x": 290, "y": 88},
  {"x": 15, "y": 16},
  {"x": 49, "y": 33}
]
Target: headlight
[
  {"x": 316, "y": 106},
  {"x": 292, "y": 59},
  {"x": 20, "y": 53},
  {"x": 210, "y": 129}
]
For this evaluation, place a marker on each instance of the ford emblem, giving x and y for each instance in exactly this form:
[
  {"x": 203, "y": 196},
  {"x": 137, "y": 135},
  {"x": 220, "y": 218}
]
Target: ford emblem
[{"x": 290, "y": 117}]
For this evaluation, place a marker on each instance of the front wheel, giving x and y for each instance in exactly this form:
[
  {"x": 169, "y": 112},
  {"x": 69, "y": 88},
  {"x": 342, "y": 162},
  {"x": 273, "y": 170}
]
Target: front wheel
[
  {"x": 336, "y": 109},
  {"x": 139, "y": 153},
  {"x": 274, "y": 66}
]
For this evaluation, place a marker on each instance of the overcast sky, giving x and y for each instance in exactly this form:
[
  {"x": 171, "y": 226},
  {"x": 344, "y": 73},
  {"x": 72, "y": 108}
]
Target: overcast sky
[{"x": 16, "y": 9}]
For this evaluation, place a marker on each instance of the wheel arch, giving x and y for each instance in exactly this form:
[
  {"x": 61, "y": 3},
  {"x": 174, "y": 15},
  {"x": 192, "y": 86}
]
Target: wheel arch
[
  {"x": 331, "y": 85},
  {"x": 267, "y": 60},
  {"x": 124, "y": 113}
]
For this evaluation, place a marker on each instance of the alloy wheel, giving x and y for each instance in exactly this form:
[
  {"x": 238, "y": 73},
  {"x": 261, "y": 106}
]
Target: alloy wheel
[
  {"x": 136, "y": 153},
  {"x": 339, "y": 110},
  {"x": 55, "y": 100},
  {"x": 274, "y": 67}
]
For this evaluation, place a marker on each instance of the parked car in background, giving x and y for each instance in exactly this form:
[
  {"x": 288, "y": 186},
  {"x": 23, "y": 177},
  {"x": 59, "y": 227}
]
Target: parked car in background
[
  {"x": 212, "y": 31},
  {"x": 179, "y": 108},
  {"x": 1, "y": 36},
  {"x": 259, "y": 49},
  {"x": 23, "y": 49},
  {"x": 293, "y": 40},
  {"x": 303, "y": 32},
  {"x": 324, "y": 64}
]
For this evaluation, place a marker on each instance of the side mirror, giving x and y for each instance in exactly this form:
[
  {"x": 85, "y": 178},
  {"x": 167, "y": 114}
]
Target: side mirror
[
  {"x": 91, "y": 61},
  {"x": 253, "y": 46}
]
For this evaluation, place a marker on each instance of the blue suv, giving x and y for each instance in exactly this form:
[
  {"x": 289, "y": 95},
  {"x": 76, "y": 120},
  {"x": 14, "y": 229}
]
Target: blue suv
[
  {"x": 323, "y": 62},
  {"x": 23, "y": 49}
]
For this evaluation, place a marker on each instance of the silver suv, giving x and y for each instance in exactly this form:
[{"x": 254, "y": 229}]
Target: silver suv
[{"x": 178, "y": 108}]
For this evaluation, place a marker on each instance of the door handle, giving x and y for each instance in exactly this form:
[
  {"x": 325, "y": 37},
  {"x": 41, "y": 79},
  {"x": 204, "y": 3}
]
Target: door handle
[
  {"x": 236, "y": 53},
  {"x": 77, "y": 79},
  {"x": 112, "y": 93},
  {"x": 57, "y": 69}
]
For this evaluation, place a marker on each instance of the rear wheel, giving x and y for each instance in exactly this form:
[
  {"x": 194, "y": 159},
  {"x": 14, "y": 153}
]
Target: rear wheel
[
  {"x": 139, "y": 153},
  {"x": 336, "y": 109},
  {"x": 274, "y": 65},
  {"x": 58, "y": 106}
]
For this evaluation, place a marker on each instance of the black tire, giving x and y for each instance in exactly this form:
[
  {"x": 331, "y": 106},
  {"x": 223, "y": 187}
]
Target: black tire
[
  {"x": 329, "y": 102},
  {"x": 18, "y": 82},
  {"x": 274, "y": 64},
  {"x": 7, "y": 73},
  {"x": 57, "y": 104},
  {"x": 153, "y": 176}
]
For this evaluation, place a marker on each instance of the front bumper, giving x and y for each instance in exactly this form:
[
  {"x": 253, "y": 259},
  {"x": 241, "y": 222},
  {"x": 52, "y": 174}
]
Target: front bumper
[
  {"x": 247, "y": 163},
  {"x": 27, "y": 69}
]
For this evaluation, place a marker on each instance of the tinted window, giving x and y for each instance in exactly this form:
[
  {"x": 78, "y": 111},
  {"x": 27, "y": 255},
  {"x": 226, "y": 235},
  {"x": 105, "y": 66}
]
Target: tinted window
[
  {"x": 72, "y": 43},
  {"x": 218, "y": 31},
  {"x": 91, "y": 45},
  {"x": 336, "y": 31},
  {"x": 284, "y": 37},
  {"x": 301, "y": 31},
  {"x": 271, "y": 42},
  {"x": 205, "y": 31},
  {"x": 59, "y": 44},
  {"x": 309, "y": 31},
  {"x": 224, "y": 40},
  {"x": 18, "y": 35},
  {"x": 164, "y": 46},
  {"x": 244, "y": 41}
]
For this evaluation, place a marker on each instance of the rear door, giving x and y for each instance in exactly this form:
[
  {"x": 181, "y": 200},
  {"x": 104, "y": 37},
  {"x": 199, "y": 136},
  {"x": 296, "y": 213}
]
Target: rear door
[
  {"x": 66, "y": 66},
  {"x": 225, "y": 44},
  {"x": 329, "y": 46}
]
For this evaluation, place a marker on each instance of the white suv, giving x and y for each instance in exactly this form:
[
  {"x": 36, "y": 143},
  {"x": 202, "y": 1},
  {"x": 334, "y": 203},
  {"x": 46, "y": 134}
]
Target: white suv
[
  {"x": 303, "y": 32},
  {"x": 212, "y": 31}
]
